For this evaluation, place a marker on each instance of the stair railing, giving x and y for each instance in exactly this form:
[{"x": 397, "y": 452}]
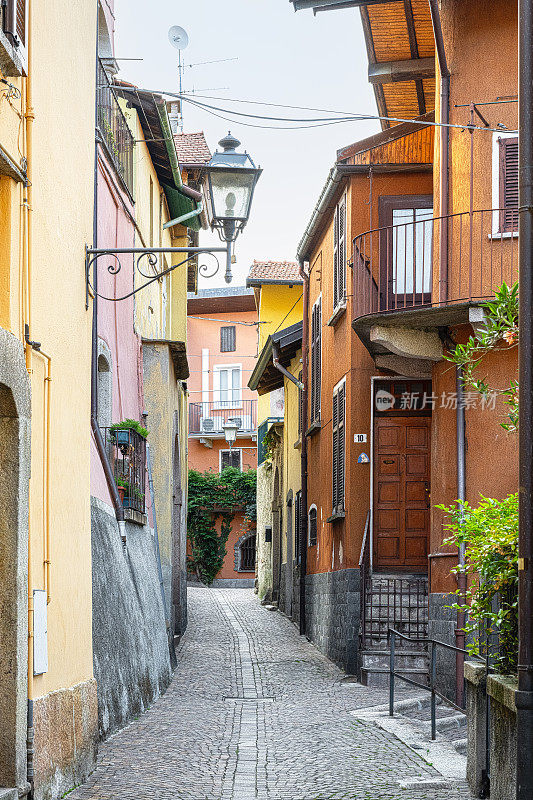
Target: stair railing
[{"x": 364, "y": 574}]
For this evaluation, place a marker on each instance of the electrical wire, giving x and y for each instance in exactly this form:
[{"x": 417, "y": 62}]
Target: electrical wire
[
  {"x": 231, "y": 321},
  {"x": 288, "y": 312}
]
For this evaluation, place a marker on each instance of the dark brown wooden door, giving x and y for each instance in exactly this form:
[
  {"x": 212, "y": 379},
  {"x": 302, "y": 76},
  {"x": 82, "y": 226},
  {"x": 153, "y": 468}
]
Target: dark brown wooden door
[{"x": 402, "y": 492}]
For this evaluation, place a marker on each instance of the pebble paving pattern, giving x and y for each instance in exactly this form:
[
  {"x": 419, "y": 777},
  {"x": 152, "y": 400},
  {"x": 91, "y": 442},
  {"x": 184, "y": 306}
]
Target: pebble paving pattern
[{"x": 255, "y": 712}]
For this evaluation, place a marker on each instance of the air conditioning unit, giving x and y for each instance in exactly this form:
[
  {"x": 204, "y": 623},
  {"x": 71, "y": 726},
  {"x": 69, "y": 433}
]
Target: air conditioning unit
[
  {"x": 237, "y": 421},
  {"x": 207, "y": 425}
]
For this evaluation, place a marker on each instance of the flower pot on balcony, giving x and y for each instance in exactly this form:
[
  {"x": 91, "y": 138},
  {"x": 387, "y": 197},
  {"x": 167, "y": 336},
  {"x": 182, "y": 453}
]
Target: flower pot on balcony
[{"x": 121, "y": 491}]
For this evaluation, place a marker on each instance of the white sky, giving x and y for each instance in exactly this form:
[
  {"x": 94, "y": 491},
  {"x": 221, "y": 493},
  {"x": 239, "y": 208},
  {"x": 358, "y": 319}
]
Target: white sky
[{"x": 283, "y": 57}]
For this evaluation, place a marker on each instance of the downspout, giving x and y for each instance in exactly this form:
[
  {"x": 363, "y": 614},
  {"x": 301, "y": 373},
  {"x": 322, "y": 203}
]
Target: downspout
[
  {"x": 184, "y": 217},
  {"x": 461, "y": 575},
  {"x": 524, "y": 696},
  {"x": 444, "y": 138},
  {"x": 303, "y": 462},
  {"x": 281, "y": 368},
  {"x": 99, "y": 441}
]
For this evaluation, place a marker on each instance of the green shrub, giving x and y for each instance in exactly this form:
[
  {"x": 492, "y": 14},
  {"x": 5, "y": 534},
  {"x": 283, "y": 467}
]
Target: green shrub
[
  {"x": 490, "y": 535},
  {"x": 225, "y": 492}
]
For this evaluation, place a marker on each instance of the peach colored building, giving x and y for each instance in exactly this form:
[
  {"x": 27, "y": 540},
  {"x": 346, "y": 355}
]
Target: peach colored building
[{"x": 222, "y": 350}]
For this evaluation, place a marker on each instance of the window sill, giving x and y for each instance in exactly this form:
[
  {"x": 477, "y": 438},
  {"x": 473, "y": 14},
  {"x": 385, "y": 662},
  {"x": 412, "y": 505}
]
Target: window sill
[
  {"x": 336, "y": 516},
  {"x": 131, "y": 515},
  {"x": 504, "y": 235},
  {"x": 314, "y": 427},
  {"x": 337, "y": 314}
]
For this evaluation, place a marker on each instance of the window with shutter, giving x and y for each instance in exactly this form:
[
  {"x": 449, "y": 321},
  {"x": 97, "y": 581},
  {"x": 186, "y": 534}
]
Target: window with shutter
[
  {"x": 313, "y": 527},
  {"x": 339, "y": 254},
  {"x": 316, "y": 367},
  {"x": 508, "y": 184},
  {"x": 339, "y": 444},
  {"x": 231, "y": 458},
  {"x": 300, "y": 405},
  {"x": 227, "y": 339}
]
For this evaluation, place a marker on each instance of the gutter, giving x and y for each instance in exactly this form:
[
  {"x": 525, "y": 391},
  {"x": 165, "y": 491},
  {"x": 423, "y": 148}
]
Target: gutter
[
  {"x": 303, "y": 452},
  {"x": 281, "y": 368}
]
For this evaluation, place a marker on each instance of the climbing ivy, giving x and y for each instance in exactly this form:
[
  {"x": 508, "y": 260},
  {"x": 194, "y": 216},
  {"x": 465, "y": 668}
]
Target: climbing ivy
[{"x": 213, "y": 495}]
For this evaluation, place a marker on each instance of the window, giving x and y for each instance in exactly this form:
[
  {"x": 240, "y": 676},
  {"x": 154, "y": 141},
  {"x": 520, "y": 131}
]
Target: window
[
  {"x": 227, "y": 383},
  {"x": 227, "y": 339},
  {"x": 339, "y": 407},
  {"x": 316, "y": 366},
  {"x": 508, "y": 184},
  {"x": 231, "y": 458},
  {"x": 339, "y": 254},
  {"x": 313, "y": 529},
  {"x": 13, "y": 14},
  {"x": 245, "y": 554}
]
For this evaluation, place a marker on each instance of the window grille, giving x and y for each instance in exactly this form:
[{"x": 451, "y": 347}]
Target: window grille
[
  {"x": 508, "y": 184},
  {"x": 313, "y": 529},
  {"x": 230, "y": 458},
  {"x": 227, "y": 339},
  {"x": 247, "y": 555},
  {"x": 339, "y": 409},
  {"x": 316, "y": 365}
]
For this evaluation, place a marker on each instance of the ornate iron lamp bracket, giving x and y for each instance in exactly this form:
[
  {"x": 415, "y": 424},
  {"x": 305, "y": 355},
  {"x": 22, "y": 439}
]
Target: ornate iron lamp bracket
[{"x": 146, "y": 261}]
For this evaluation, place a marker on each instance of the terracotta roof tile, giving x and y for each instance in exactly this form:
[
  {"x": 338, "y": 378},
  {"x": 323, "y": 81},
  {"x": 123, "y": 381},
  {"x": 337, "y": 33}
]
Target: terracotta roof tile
[
  {"x": 266, "y": 271},
  {"x": 192, "y": 148}
]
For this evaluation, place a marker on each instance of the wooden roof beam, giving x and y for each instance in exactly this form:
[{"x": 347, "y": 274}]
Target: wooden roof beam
[
  {"x": 326, "y": 5},
  {"x": 396, "y": 71}
]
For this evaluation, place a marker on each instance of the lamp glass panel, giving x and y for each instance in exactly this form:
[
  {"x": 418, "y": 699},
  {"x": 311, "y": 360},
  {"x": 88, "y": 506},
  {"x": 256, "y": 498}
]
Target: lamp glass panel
[{"x": 231, "y": 193}]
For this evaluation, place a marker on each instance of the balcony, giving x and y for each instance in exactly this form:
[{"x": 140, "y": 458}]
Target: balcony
[
  {"x": 396, "y": 270},
  {"x": 114, "y": 130},
  {"x": 207, "y": 419},
  {"x": 126, "y": 450}
]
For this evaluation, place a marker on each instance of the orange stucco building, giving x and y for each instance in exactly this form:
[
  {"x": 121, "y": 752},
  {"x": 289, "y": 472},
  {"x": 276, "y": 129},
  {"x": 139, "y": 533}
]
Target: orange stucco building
[
  {"x": 415, "y": 228},
  {"x": 222, "y": 336}
]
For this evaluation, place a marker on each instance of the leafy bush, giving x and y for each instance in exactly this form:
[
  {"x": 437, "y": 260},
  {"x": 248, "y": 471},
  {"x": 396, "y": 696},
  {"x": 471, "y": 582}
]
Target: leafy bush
[
  {"x": 490, "y": 535},
  {"x": 213, "y": 495},
  {"x": 131, "y": 424}
]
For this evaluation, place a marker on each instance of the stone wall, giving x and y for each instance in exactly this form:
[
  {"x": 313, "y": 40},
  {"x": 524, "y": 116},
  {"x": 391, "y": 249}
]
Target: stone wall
[
  {"x": 332, "y": 611},
  {"x": 264, "y": 518},
  {"x": 130, "y": 644},
  {"x": 66, "y": 739},
  {"x": 442, "y": 625}
]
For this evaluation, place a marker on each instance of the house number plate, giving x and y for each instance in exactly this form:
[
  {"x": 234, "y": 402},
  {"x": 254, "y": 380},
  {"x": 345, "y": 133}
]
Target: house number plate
[{"x": 359, "y": 438}]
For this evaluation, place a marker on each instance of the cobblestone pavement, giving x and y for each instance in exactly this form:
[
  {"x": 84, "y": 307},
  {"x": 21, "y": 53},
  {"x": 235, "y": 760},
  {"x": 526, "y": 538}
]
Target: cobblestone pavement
[{"x": 255, "y": 712}]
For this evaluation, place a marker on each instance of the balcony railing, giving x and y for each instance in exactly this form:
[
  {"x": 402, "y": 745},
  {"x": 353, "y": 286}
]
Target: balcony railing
[
  {"x": 114, "y": 129},
  {"x": 396, "y": 267},
  {"x": 127, "y": 453},
  {"x": 208, "y": 418}
]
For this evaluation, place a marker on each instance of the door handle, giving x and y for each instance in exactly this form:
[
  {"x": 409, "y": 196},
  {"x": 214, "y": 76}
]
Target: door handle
[{"x": 388, "y": 461}]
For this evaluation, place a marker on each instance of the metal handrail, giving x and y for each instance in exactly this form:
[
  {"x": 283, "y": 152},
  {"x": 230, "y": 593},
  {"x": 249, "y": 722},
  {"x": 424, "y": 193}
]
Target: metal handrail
[{"x": 433, "y": 644}]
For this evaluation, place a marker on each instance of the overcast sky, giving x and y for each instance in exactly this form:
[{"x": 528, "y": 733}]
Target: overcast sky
[{"x": 282, "y": 57}]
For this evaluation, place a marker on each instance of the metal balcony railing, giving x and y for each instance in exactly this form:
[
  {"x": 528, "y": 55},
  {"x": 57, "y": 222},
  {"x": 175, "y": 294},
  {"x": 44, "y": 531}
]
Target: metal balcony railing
[
  {"x": 208, "y": 418},
  {"x": 114, "y": 129},
  {"x": 396, "y": 267},
  {"x": 127, "y": 453}
]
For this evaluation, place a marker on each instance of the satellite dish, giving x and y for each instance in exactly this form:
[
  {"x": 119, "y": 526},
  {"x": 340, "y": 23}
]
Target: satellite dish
[{"x": 178, "y": 37}]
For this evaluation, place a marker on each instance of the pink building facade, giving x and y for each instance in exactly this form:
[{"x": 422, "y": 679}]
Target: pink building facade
[{"x": 222, "y": 348}]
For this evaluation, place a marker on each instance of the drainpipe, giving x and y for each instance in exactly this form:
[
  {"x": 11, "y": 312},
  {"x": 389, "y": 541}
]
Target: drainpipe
[
  {"x": 461, "y": 576},
  {"x": 444, "y": 134},
  {"x": 281, "y": 368},
  {"x": 185, "y": 217},
  {"x": 303, "y": 463},
  {"x": 524, "y": 696},
  {"x": 100, "y": 445}
]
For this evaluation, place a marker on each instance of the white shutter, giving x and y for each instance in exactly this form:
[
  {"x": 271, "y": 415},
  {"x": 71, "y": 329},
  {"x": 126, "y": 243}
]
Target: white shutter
[{"x": 336, "y": 258}]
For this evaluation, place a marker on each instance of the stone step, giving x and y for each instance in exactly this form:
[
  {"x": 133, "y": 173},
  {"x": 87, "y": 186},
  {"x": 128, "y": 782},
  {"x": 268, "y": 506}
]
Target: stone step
[
  {"x": 461, "y": 745},
  {"x": 8, "y": 794},
  {"x": 376, "y": 677}
]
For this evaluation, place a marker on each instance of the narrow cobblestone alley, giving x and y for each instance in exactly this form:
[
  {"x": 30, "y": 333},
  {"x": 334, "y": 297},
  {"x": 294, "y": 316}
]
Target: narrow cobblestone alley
[{"x": 255, "y": 712}]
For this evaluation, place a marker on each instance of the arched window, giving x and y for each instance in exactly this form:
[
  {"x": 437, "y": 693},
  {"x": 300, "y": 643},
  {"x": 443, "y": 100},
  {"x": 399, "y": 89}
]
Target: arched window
[
  {"x": 245, "y": 553},
  {"x": 105, "y": 387},
  {"x": 313, "y": 527}
]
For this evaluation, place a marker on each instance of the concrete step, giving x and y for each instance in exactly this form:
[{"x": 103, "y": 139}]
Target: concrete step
[
  {"x": 9, "y": 794},
  {"x": 377, "y": 677},
  {"x": 461, "y": 745}
]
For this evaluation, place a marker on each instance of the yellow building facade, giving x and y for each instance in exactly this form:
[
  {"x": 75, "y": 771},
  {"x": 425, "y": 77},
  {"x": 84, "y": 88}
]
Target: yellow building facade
[{"x": 46, "y": 205}]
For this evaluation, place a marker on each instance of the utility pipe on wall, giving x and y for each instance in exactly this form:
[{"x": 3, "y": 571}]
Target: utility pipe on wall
[
  {"x": 524, "y": 696},
  {"x": 303, "y": 461},
  {"x": 461, "y": 576},
  {"x": 281, "y": 368}
]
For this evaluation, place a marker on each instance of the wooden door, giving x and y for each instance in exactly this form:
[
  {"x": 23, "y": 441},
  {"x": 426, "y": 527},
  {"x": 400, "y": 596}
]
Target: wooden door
[{"x": 402, "y": 492}]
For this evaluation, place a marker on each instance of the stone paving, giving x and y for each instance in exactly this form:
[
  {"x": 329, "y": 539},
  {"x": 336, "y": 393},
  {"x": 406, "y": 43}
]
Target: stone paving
[{"x": 255, "y": 712}]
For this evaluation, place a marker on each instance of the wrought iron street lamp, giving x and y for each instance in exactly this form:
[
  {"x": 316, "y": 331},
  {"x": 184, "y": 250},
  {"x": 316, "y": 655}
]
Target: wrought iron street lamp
[
  {"x": 231, "y": 178},
  {"x": 230, "y": 432}
]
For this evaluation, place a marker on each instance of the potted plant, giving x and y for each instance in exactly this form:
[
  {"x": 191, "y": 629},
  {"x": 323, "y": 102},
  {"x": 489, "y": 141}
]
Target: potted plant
[
  {"x": 123, "y": 487},
  {"x": 119, "y": 431}
]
